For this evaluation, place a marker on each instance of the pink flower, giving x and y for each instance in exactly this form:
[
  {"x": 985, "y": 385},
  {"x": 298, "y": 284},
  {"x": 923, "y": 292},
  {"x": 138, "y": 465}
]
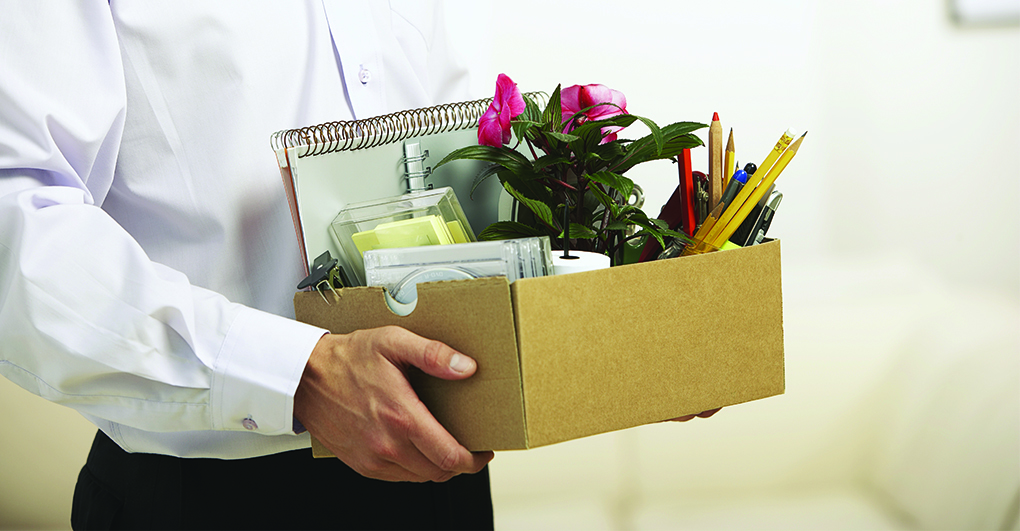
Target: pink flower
[
  {"x": 576, "y": 98},
  {"x": 494, "y": 125}
]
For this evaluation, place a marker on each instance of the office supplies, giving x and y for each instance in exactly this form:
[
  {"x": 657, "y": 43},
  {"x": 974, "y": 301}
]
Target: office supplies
[
  {"x": 766, "y": 221},
  {"x": 400, "y": 270},
  {"x": 761, "y": 189},
  {"x": 750, "y": 168},
  {"x": 743, "y": 236},
  {"x": 416, "y": 171},
  {"x": 735, "y": 185},
  {"x": 326, "y": 273},
  {"x": 702, "y": 196},
  {"x": 730, "y": 160},
  {"x": 328, "y": 166},
  {"x": 688, "y": 218},
  {"x": 425, "y": 217},
  {"x": 715, "y": 161},
  {"x": 698, "y": 244},
  {"x": 749, "y": 188}
]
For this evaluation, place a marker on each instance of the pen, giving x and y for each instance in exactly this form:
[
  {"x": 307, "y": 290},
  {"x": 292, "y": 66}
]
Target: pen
[
  {"x": 743, "y": 236},
  {"x": 767, "y": 216},
  {"x": 734, "y": 186}
]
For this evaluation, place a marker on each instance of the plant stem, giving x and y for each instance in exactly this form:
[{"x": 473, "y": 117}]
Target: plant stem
[{"x": 531, "y": 147}]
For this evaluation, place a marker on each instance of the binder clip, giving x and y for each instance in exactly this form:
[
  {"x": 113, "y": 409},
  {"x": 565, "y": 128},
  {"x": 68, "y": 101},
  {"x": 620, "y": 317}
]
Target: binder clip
[{"x": 326, "y": 273}]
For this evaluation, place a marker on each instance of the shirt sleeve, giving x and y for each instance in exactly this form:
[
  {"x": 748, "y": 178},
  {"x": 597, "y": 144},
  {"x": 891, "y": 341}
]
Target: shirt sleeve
[{"x": 86, "y": 318}]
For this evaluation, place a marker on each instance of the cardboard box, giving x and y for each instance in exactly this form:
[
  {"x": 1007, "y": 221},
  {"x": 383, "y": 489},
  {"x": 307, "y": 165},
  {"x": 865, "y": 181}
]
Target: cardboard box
[{"x": 569, "y": 356}]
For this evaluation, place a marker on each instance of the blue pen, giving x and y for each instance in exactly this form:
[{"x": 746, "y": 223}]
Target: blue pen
[{"x": 733, "y": 188}]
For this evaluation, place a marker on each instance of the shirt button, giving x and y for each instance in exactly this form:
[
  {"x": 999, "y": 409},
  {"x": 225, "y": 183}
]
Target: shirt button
[
  {"x": 365, "y": 75},
  {"x": 249, "y": 424}
]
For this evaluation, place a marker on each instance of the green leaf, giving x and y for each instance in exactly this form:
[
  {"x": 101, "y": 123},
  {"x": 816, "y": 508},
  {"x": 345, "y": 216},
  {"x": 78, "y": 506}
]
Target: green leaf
[
  {"x": 504, "y": 156},
  {"x": 484, "y": 174},
  {"x": 507, "y": 230},
  {"x": 615, "y": 181},
  {"x": 606, "y": 201},
  {"x": 539, "y": 208},
  {"x": 562, "y": 137},
  {"x": 578, "y": 231},
  {"x": 533, "y": 189},
  {"x": 639, "y": 152},
  {"x": 531, "y": 111},
  {"x": 651, "y": 231},
  {"x": 632, "y": 213},
  {"x": 552, "y": 116},
  {"x": 610, "y": 150},
  {"x": 656, "y": 133},
  {"x": 545, "y": 161},
  {"x": 675, "y": 234},
  {"x": 617, "y": 225}
]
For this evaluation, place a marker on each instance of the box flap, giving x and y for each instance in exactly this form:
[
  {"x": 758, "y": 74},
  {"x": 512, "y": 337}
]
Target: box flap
[
  {"x": 649, "y": 342},
  {"x": 472, "y": 316}
]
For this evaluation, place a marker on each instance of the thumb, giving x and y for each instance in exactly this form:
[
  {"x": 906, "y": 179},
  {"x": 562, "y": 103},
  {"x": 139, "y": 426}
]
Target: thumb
[{"x": 432, "y": 357}]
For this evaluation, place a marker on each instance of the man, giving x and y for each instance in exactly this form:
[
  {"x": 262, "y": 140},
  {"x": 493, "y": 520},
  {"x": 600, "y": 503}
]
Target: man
[{"x": 148, "y": 263}]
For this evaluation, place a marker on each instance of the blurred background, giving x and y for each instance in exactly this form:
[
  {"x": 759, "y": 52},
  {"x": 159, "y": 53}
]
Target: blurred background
[{"x": 900, "y": 228}]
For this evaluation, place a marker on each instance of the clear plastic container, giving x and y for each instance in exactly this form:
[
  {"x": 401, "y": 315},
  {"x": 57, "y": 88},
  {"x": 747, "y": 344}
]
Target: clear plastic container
[
  {"x": 427, "y": 217},
  {"x": 400, "y": 270}
]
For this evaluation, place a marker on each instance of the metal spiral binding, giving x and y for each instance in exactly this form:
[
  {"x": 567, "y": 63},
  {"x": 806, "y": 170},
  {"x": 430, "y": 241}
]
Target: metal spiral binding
[{"x": 371, "y": 132}]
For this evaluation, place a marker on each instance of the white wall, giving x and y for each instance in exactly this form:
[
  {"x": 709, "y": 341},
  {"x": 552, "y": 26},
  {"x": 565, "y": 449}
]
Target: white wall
[
  {"x": 902, "y": 202},
  {"x": 913, "y": 121}
]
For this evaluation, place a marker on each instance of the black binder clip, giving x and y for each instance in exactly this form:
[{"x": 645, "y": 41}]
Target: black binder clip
[{"x": 326, "y": 273}]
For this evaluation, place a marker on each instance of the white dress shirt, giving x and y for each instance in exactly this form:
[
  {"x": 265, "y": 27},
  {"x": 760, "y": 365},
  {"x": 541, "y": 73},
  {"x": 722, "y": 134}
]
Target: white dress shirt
[{"x": 147, "y": 257}]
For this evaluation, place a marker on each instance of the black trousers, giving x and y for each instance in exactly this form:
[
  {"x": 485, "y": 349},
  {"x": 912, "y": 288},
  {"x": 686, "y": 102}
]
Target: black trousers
[{"x": 291, "y": 490}]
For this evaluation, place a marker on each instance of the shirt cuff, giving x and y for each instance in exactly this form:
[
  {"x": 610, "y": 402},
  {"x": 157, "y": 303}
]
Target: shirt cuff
[{"x": 258, "y": 370}]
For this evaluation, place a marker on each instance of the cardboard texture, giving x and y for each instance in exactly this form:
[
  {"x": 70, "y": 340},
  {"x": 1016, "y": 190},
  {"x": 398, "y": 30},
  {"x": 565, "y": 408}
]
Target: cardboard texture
[{"x": 570, "y": 356}]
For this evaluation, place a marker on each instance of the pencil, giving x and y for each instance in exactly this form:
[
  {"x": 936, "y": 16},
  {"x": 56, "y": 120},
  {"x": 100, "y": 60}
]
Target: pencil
[
  {"x": 749, "y": 204},
  {"x": 752, "y": 183},
  {"x": 730, "y": 160},
  {"x": 715, "y": 161}
]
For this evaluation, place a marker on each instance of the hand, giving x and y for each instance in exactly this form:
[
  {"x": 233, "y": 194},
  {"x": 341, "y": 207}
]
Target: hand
[
  {"x": 703, "y": 414},
  {"x": 354, "y": 397}
]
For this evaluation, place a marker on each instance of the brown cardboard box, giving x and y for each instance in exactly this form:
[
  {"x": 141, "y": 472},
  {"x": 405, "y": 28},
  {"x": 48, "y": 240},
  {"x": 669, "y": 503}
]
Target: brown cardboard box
[{"x": 569, "y": 356}]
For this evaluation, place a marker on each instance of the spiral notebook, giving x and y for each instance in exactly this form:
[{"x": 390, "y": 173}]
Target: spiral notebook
[{"x": 328, "y": 166}]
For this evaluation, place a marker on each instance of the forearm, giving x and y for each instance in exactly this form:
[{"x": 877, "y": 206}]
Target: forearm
[{"x": 88, "y": 321}]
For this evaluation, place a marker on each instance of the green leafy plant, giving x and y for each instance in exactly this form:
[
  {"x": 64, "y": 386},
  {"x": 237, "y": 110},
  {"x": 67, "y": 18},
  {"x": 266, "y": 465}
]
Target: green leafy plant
[{"x": 570, "y": 176}]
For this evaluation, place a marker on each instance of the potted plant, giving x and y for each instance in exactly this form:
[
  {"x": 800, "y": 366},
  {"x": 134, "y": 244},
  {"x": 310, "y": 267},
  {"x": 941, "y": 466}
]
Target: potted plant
[{"x": 571, "y": 174}]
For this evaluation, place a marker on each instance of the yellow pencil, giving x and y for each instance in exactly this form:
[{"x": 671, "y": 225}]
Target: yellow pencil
[
  {"x": 749, "y": 204},
  {"x": 752, "y": 183},
  {"x": 730, "y": 160},
  {"x": 698, "y": 246}
]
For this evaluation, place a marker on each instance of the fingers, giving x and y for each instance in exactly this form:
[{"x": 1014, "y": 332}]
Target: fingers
[
  {"x": 355, "y": 398},
  {"x": 442, "y": 450},
  {"x": 435, "y": 358},
  {"x": 703, "y": 414}
]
